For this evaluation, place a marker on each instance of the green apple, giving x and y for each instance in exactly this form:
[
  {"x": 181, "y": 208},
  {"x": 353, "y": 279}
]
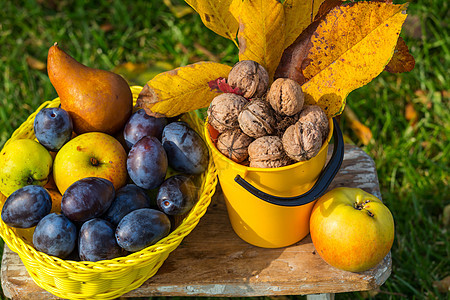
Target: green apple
[
  {"x": 351, "y": 229},
  {"x": 92, "y": 154},
  {"x": 23, "y": 162}
]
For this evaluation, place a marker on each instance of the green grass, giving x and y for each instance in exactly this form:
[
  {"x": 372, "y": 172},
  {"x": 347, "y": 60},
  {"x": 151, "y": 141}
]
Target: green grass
[{"x": 411, "y": 158}]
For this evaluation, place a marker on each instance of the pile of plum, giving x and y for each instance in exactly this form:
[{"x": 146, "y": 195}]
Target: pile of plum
[{"x": 97, "y": 222}]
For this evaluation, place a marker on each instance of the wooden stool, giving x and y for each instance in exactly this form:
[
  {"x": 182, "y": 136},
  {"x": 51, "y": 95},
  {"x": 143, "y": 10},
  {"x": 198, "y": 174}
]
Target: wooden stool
[{"x": 214, "y": 261}]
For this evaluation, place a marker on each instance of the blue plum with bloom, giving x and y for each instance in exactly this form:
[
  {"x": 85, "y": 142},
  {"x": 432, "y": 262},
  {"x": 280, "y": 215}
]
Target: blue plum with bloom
[
  {"x": 128, "y": 198},
  {"x": 142, "y": 228},
  {"x": 185, "y": 148},
  {"x": 176, "y": 195},
  {"x": 147, "y": 163},
  {"x": 55, "y": 235},
  {"x": 53, "y": 127},
  {"x": 97, "y": 241},
  {"x": 25, "y": 207},
  {"x": 87, "y": 198},
  {"x": 141, "y": 124}
]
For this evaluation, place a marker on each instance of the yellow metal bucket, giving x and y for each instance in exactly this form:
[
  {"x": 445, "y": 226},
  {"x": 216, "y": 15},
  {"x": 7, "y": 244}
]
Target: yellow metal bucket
[{"x": 271, "y": 207}]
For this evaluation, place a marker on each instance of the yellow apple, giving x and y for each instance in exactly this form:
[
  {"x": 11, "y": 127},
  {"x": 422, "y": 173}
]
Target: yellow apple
[
  {"x": 23, "y": 162},
  {"x": 92, "y": 154},
  {"x": 351, "y": 229}
]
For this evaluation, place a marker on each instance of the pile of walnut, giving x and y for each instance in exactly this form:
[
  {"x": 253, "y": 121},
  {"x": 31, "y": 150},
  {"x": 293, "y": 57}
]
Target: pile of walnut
[{"x": 266, "y": 127}]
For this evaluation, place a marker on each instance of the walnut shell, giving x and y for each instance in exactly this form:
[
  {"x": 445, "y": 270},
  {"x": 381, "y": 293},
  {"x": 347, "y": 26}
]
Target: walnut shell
[
  {"x": 267, "y": 152},
  {"x": 302, "y": 141},
  {"x": 277, "y": 163},
  {"x": 286, "y": 96},
  {"x": 234, "y": 144},
  {"x": 257, "y": 119},
  {"x": 315, "y": 114},
  {"x": 250, "y": 77},
  {"x": 224, "y": 110}
]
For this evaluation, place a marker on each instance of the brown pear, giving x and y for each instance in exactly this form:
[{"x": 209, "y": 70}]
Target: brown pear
[{"x": 97, "y": 100}]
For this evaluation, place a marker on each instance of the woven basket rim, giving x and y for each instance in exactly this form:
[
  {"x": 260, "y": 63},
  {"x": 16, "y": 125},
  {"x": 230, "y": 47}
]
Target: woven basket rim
[{"x": 209, "y": 182}]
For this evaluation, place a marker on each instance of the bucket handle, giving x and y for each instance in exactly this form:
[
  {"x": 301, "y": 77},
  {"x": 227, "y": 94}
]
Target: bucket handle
[{"x": 326, "y": 176}]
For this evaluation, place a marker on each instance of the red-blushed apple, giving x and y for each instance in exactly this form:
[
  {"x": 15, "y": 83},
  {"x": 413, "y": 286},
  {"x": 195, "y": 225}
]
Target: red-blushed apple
[
  {"x": 351, "y": 229},
  {"x": 92, "y": 154}
]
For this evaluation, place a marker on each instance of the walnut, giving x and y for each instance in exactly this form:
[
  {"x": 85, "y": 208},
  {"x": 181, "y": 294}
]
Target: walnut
[
  {"x": 257, "y": 119},
  {"x": 234, "y": 144},
  {"x": 267, "y": 152},
  {"x": 286, "y": 96},
  {"x": 277, "y": 163},
  {"x": 315, "y": 114},
  {"x": 250, "y": 77},
  {"x": 302, "y": 141},
  {"x": 224, "y": 110}
]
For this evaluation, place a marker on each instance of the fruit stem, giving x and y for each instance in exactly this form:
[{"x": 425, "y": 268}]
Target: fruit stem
[
  {"x": 360, "y": 205},
  {"x": 94, "y": 161}
]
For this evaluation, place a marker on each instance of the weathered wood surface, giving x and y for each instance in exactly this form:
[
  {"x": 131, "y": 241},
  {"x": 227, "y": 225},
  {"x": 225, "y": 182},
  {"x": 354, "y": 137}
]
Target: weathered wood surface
[{"x": 214, "y": 261}]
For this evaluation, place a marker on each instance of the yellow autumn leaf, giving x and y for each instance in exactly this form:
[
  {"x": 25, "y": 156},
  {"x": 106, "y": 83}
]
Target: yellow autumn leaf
[
  {"x": 216, "y": 15},
  {"x": 298, "y": 15},
  {"x": 261, "y": 31},
  {"x": 181, "y": 90},
  {"x": 350, "y": 47}
]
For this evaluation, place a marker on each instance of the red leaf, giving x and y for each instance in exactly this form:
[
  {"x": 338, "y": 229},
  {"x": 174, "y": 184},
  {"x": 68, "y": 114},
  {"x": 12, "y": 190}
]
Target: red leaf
[
  {"x": 325, "y": 7},
  {"x": 221, "y": 85},
  {"x": 294, "y": 59},
  {"x": 402, "y": 60}
]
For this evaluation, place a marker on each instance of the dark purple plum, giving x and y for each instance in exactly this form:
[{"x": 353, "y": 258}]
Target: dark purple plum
[
  {"x": 25, "y": 207},
  {"x": 97, "y": 241},
  {"x": 128, "y": 198},
  {"x": 147, "y": 163},
  {"x": 87, "y": 198},
  {"x": 186, "y": 150},
  {"x": 55, "y": 235},
  {"x": 53, "y": 127},
  {"x": 142, "y": 228},
  {"x": 140, "y": 124},
  {"x": 176, "y": 195}
]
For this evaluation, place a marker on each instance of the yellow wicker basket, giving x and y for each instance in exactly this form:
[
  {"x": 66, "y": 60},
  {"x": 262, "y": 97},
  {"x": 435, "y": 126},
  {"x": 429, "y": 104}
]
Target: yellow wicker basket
[{"x": 107, "y": 279}]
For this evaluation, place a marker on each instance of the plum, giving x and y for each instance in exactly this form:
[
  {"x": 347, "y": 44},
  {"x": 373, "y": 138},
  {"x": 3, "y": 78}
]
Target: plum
[
  {"x": 55, "y": 235},
  {"x": 147, "y": 163},
  {"x": 186, "y": 150},
  {"x": 142, "y": 228},
  {"x": 87, "y": 198},
  {"x": 140, "y": 124},
  {"x": 53, "y": 127},
  {"x": 25, "y": 207},
  {"x": 176, "y": 195},
  {"x": 97, "y": 241},
  {"x": 128, "y": 198}
]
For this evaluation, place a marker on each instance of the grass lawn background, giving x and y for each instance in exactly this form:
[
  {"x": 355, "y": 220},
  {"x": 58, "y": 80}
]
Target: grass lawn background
[{"x": 408, "y": 114}]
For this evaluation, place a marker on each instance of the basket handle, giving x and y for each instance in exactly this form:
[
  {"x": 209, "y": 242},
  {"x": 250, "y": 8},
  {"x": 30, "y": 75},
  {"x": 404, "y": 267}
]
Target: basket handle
[{"x": 326, "y": 176}]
